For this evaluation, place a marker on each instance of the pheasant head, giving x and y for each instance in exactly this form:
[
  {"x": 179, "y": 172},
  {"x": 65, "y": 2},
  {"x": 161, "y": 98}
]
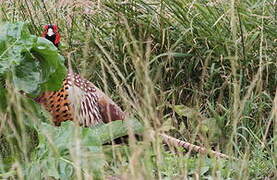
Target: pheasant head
[{"x": 52, "y": 34}]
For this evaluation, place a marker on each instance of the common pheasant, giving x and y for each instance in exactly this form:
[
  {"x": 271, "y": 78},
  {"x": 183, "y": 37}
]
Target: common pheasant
[
  {"x": 81, "y": 101},
  {"x": 78, "y": 99}
]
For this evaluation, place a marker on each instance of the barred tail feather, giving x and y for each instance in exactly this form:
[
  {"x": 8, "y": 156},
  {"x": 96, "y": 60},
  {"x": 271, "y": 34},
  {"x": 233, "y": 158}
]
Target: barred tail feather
[{"x": 191, "y": 147}]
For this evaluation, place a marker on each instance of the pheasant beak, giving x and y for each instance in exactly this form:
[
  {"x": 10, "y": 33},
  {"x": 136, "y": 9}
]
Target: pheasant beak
[{"x": 50, "y": 32}]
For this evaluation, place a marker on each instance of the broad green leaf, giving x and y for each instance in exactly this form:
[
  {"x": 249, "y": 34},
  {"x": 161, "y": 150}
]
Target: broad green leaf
[
  {"x": 27, "y": 75},
  {"x": 53, "y": 68},
  {"x": 115, "y": 129},
  {"x": 94, "y": 136}
]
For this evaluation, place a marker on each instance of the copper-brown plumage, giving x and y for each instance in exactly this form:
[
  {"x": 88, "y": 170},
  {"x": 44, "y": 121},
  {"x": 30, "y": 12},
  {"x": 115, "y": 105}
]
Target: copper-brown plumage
[
  {"x": 57, "y": 103},
  {"x": 81, "y": 100}
]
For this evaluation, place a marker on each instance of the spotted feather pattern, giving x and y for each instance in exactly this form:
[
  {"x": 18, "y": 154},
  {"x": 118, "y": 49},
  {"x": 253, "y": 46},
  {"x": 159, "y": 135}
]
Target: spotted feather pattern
[
  {"x": 57, "y": 103},
  {"x": 84, "y": 98},
  {"x": 80, "y": 100}
]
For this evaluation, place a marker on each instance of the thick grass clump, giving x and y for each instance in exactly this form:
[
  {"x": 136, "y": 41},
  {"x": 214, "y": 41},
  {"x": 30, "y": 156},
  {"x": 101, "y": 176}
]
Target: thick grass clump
[{"x": 201, "y": 71}]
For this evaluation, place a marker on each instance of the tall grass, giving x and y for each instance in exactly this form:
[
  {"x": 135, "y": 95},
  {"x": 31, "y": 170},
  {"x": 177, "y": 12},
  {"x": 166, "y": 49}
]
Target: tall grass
[{"x": 203, "y": 71}]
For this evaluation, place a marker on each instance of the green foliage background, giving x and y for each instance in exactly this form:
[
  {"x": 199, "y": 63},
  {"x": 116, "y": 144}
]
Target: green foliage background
[{"x": 204, "y": 71}]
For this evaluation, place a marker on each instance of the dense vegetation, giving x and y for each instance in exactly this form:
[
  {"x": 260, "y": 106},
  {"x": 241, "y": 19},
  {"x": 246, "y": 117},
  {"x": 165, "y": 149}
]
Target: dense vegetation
[{"x": 202, "y": 71}]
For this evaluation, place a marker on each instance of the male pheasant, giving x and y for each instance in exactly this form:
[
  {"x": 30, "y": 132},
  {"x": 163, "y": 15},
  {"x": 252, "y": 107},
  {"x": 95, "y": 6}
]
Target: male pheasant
[
  {"x": 81, "y": 101},
  {"x": 78, "y": 99}
]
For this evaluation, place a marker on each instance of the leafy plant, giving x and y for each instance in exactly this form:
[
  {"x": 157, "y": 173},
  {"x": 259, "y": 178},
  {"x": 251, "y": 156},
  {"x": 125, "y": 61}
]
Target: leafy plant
[{"x": 32, "y": 63}]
